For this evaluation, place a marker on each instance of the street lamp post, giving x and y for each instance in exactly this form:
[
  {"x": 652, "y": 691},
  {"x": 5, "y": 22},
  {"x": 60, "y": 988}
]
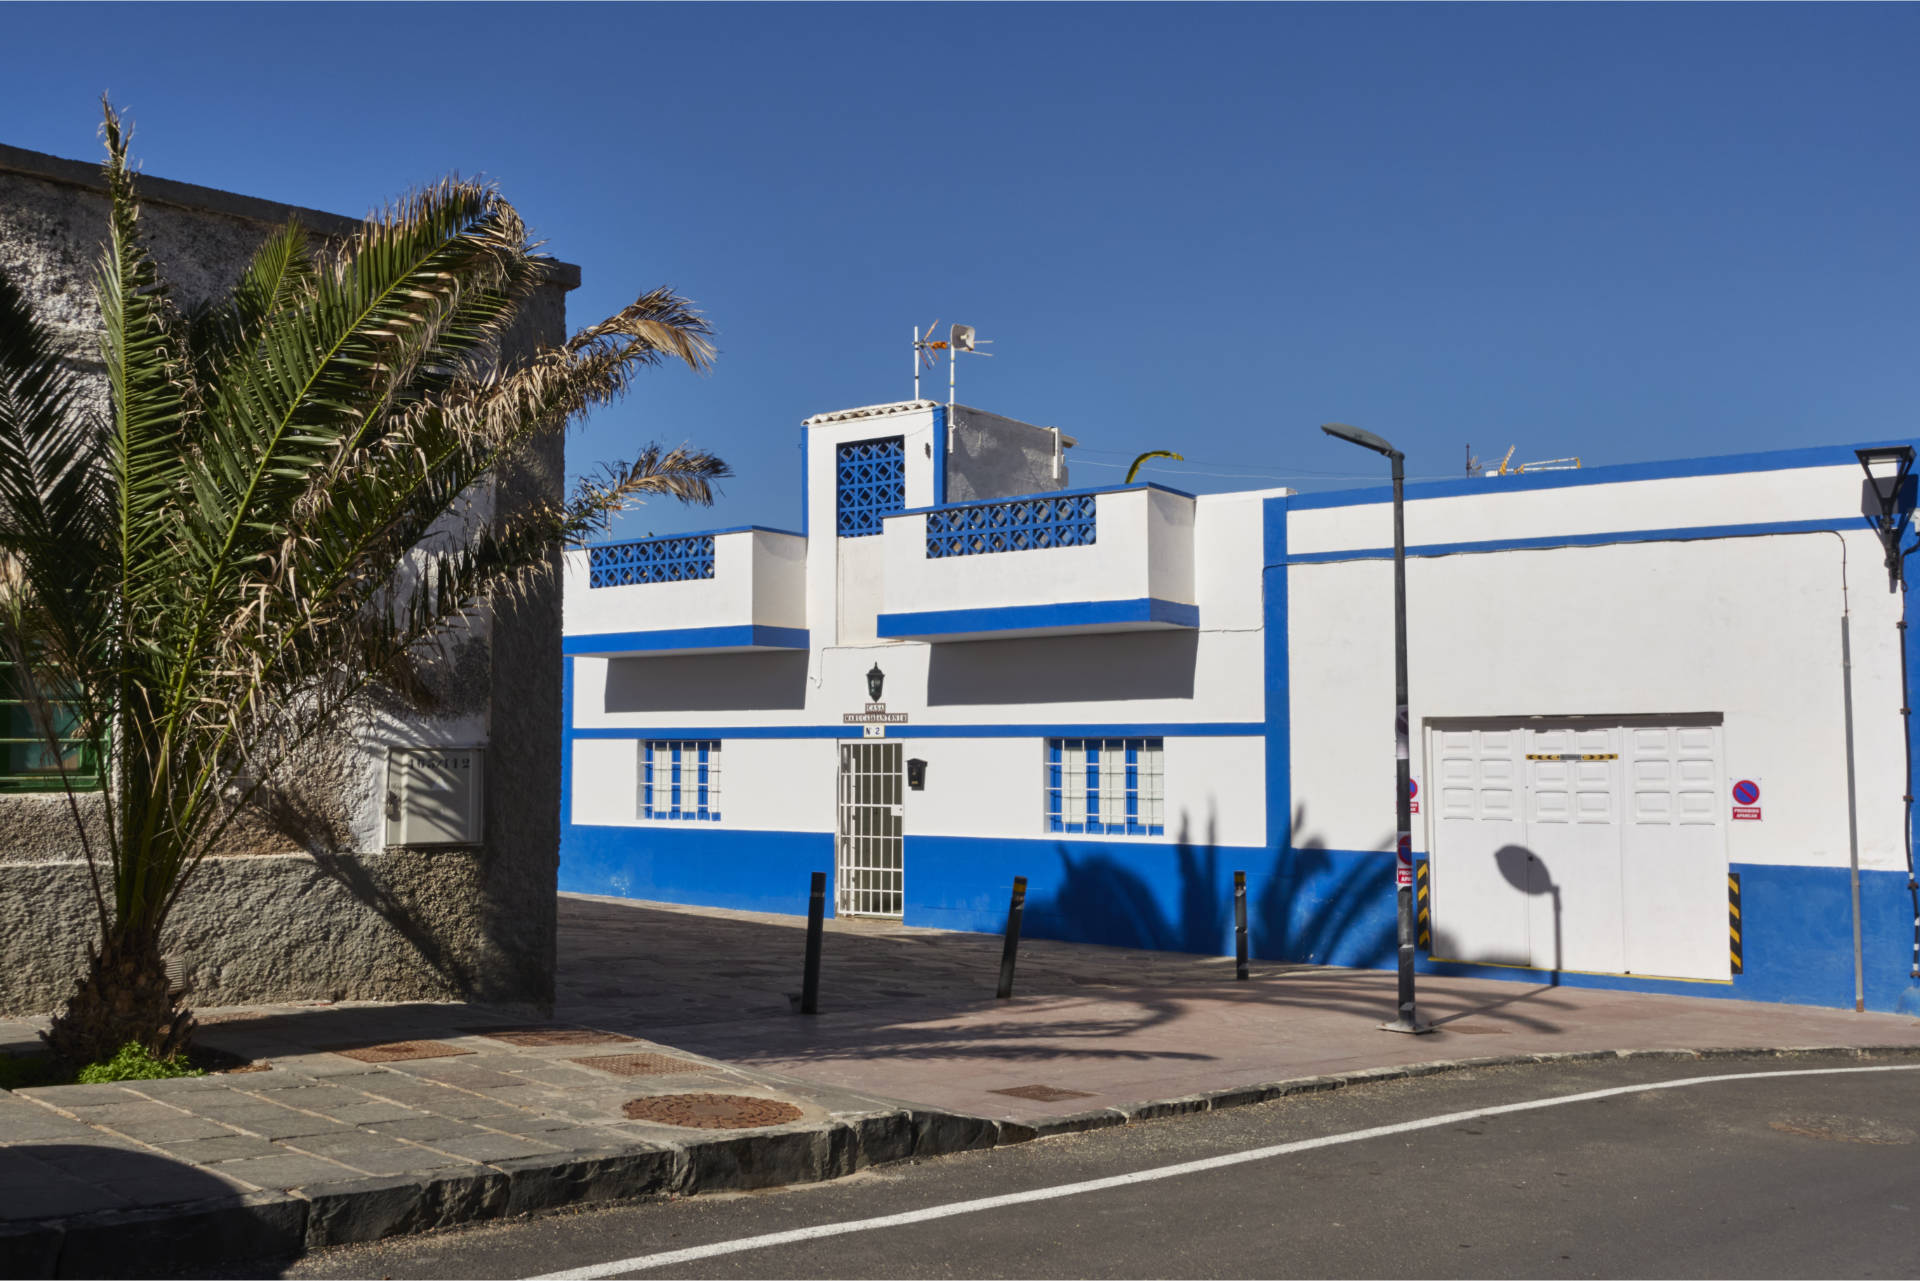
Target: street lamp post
[{"x": 1405, "y": 1020}]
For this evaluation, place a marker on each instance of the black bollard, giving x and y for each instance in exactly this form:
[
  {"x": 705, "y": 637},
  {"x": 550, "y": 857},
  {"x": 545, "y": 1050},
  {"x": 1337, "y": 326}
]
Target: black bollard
[
  {"x": 1014, "y": 912},
  {"x": 1239, "y": 925},
  {"x": 816, "y": 916}
]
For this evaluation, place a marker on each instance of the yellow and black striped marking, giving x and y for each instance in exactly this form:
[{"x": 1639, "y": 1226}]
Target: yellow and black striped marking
[
  {"x": 1423, "y": 907},
  {"x": 1573, "y": 756},
  {"x": 1733, "y": 918}
]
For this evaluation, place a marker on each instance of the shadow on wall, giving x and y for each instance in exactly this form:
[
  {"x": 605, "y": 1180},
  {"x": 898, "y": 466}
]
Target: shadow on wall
[
  {"x": 1064, "y": 669},
  {"x": 1309, "y": 904},
  {"x": 708, "y": 683}
]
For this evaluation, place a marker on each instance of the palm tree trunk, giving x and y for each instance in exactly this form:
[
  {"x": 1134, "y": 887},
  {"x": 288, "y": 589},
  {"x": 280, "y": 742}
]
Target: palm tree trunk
[{"x": 124, "y": 996}]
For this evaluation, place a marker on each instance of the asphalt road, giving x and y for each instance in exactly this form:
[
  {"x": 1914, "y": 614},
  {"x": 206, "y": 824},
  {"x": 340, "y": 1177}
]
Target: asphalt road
[{"x": 1768, "y": 1175}]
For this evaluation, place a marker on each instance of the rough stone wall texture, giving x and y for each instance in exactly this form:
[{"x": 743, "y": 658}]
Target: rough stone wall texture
[{"x": 304, "y": 901}]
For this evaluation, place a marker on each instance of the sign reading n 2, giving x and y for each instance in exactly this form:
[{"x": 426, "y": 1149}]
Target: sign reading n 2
[{"x": 1746, "y": 800}]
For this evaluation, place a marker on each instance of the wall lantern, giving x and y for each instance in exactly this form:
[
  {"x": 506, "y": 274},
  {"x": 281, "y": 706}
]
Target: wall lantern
[
  {"x": 876, "y": 679},
  {"x": 917, "y": 775},
  {"x": 1889, "y": 470}
]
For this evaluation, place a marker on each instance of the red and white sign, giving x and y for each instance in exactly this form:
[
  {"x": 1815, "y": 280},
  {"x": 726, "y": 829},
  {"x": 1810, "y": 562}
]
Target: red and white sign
[
  {"x": 1403, "y": 866},
  {"x": 1413, "y": 796},
  {"x": 1746, "y": 800}
]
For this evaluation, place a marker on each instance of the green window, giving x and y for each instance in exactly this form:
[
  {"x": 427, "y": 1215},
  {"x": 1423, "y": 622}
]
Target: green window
[{"x": 27, "y": 764}]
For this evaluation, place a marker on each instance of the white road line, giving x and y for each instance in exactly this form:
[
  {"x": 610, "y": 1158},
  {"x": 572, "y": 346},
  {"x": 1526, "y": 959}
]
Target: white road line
[{"x": 667, "y": 1258}]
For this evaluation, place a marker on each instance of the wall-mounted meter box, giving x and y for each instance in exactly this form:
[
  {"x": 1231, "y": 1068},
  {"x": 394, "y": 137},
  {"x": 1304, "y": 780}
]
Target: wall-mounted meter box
[{"x": 434, "y": 795}]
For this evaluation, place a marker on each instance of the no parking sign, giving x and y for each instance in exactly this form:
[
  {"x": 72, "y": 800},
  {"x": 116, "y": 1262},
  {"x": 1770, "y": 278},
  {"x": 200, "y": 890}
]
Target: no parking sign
[{"x": 1746, "y": 799}]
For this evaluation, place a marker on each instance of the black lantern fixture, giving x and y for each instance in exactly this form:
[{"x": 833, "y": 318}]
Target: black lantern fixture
[
  {"x": 1889, "y": 468},
  {"x": 875, "y": 680}
]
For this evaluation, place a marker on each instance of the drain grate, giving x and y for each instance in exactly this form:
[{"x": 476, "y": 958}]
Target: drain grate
[
  {"x": 640, "y": 1064},
  {"x": 539, "y": 1035},
  {"x": 1043, "y": 1093},
  {"x": 711, "y": 1111},
  {"x": 394, "y": 1051}
]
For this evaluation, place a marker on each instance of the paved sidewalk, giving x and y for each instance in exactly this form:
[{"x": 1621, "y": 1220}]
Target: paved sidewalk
[
  {"x": 909, "y": 1013},
  {"x": 372, "y": 1120}
]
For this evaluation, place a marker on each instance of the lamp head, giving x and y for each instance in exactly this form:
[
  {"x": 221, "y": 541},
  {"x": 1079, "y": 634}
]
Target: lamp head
[
  {"x": 1361, "y": 437},
  {"x": 876, "y": 679}
]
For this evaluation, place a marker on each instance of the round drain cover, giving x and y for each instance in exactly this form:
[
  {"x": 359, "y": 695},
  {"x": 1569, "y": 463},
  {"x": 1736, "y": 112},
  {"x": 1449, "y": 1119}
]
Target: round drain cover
[{"x": 711, "y": 1111}]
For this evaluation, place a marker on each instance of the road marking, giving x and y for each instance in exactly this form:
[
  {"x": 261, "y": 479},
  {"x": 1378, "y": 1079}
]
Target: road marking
[{"x": 667, "y": 1258}]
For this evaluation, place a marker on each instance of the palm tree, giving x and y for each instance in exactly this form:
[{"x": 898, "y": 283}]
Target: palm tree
[{"x": 286, "y": 507}]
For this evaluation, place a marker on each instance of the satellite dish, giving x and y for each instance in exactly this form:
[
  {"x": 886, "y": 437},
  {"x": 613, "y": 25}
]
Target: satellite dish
[{"x": 963, "y": 337}]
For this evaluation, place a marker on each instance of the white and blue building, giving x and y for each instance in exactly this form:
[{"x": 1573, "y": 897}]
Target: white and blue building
[{"x": 1659, "y": 728}]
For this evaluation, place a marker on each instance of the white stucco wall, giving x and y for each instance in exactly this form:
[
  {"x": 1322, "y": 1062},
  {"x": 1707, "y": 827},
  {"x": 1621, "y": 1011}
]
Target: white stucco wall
[
  {"x": 1746, "y": 627},
  {"x": 758, "y": 577}
]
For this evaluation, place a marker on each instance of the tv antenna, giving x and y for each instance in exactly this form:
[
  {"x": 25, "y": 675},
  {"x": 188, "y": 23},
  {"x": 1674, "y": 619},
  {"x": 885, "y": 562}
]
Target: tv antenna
[{"x": 959, "y": 338}]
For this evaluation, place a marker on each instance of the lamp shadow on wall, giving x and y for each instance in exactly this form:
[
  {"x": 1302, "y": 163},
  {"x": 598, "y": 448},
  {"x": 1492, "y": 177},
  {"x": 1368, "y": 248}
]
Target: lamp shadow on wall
[
  {"x": 761, "y": 682},
  {"x": 1526, "y": 873},
  {"x": 1095, "y": 668}
]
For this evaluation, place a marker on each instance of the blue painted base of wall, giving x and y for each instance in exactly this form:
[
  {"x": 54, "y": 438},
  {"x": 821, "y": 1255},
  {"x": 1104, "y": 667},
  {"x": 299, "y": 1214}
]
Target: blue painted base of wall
[
  {"x": 697, "y": 865},
  {"x": 1329, "y": 907}
]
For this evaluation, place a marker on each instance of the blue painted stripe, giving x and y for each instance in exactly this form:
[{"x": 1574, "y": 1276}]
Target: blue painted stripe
[
  {"x": 697, "y": 533},
  {"x": 1043, "y": 493},
  {"x": 1278, "y": 710},
  {"x": 602, "y": 644},
  {"x": 1161, "y": 729},
  {"x": 1775, "y": 460},
  {"x": 1065, "y": 614},
  {"x": 1682, "y": 533}
]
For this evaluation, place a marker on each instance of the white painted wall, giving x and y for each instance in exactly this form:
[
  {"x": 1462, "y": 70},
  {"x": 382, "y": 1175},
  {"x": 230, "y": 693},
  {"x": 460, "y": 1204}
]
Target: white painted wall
[
  {"x": 1809, "y": 493},
  {"x": 1144, "y": 548},
  {"x": 1747, "y": 627},
  {"x": 758, "y": 577},
  {"x": 766, "y": 784}
]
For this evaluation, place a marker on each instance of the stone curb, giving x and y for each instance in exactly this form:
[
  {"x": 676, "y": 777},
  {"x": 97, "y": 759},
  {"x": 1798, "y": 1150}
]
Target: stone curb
[{"x": 266, "y": 1226}]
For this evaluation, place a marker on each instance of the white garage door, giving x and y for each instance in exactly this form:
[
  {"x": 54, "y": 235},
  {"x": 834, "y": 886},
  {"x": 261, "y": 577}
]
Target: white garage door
[{"x": 1579, "y": 846}]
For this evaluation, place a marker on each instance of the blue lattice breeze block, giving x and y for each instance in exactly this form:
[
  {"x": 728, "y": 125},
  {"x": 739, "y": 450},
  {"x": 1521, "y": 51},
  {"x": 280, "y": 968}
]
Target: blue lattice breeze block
[
  {"x": 871, "y": 480},
  {"x": 1019, "y": 525},
  {"x": 650, "y": 560}
]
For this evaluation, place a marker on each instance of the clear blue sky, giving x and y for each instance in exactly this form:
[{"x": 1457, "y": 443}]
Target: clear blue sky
[{"x": 1625, "y": 232}]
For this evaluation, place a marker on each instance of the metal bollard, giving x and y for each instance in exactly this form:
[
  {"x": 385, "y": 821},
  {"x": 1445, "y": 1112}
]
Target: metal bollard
[
  {"x": 816, "y": 916},
  {"x": 1014, "y": 912},
  {"x": 1239, "y": 925}
]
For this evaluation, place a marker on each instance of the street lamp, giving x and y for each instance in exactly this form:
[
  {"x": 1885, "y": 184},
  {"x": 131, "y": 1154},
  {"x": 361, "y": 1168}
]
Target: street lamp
[
  {"x": 1888, "y": 469},
  {"x": 1405, "y": 1020}
]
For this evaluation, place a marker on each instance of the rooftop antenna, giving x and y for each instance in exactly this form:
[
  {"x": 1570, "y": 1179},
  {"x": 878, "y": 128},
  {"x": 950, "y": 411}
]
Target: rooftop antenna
[
  {"x": 961, "y": 338},
  {"x": 923, "y": 354}
]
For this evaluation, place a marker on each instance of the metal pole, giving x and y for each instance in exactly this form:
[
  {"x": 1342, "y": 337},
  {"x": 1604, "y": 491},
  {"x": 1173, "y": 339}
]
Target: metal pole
[
  {"x": 1014, "y": 911},
  {"x": 916, "y": 362},
  {"x": 1406, "y": 1019},
  {"x": 816, "y": 915},
  {"x": 1239, "y": 925}
]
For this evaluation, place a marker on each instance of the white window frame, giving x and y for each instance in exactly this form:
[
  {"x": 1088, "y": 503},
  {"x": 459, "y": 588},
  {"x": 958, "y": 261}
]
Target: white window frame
[
  {"x": 679, "y": 780},
  {"x": 1073, "y": 770}
]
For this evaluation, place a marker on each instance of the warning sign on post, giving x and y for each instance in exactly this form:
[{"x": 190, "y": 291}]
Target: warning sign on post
[
  {"x": 1403, "y": 863},
  {"x": 1413, "y": 796},
  {"x": 1746, "y": 800}
]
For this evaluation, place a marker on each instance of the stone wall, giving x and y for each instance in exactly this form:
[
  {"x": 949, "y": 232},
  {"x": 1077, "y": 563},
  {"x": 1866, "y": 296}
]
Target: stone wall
[{"x": 305, "y": 902}]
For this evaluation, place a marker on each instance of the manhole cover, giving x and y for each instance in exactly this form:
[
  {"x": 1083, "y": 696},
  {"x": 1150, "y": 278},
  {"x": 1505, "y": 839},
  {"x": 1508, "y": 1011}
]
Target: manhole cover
[
  {"x": 640, "y": 1064},
  {"x": 711, "y": 1111},
  {"x": 537, "y": 1035},
  {"x": 1845, "y": 1129},
  {"x": 393, "y": 1051},
  {"x": 1043, "y": 1093}
]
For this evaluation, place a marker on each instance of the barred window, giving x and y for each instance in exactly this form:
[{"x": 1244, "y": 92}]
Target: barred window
[
  {"x": 680, "y": 779},
  {"x": 27, "y": 763},
  {"x": 1108, "y": 786}
]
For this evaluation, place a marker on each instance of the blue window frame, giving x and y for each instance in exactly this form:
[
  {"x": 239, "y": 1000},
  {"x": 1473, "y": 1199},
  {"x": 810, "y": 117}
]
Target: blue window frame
[
  {"x": 1106, "y": 786},
  {"x": 680, "y": 779},
  {"x": 871, "y": 483}
]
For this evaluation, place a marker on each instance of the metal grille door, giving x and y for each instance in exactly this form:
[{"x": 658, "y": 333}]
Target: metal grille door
[{"x": 870, "y": 862}]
